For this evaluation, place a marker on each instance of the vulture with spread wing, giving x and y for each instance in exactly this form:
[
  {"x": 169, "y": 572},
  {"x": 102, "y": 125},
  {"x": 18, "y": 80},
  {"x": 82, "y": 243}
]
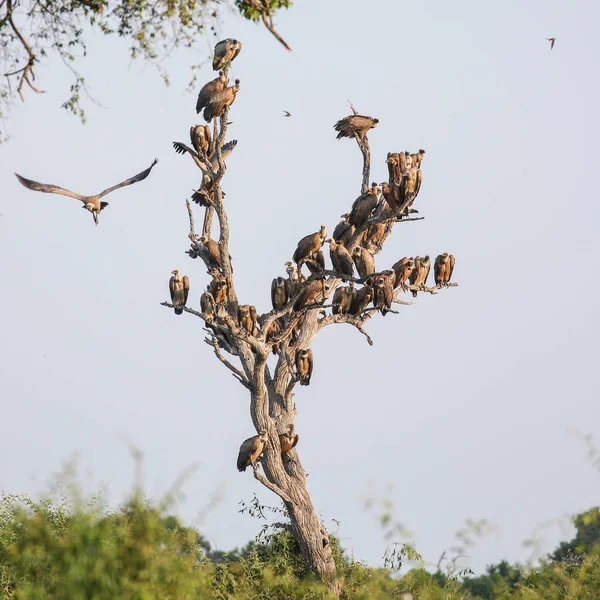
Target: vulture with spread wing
[{"x": 354, "y": 124}]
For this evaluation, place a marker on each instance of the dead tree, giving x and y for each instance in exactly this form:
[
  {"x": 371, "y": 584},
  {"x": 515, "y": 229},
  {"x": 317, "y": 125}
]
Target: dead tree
[{"x": 244, "y": 351}]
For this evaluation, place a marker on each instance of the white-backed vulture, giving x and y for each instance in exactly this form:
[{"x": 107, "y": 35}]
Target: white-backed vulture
[
  {"x": 363, "y": 206},
  {"x": 361, "y": 299},
  {"x": 219, "y": 289},
  {"x": 247, "y": 318},
  {"x": 442, "y": 269},
  {"x": 354, "y": 124},
  {"x": 274, "y": 328},
  {"x": 375, "y": 233},
  {"x": 214, "y": 250},
  {"x": 225, "y": 52},
  {"x": 341, "y": 229},
  {"x": 220, "y": 101},
  {"x": 179, "y": 287},
  {"x": 364, "y": 261},
  {"x": 396, "y": 162},
  {"x": 280, "y": 292},
  {"x": 251, "y": 449},
  {"x": 383, "y": 291},
  {"x": 304, "y": 365},
  {"x": 403, "y": 270},
  {"x": 309, "y": 293},
  {"x": 295, "y": 277},
  {"x": 391, "y": 195},
  {"x": 342, "y": 299},
  {"x": 210, "y": 89},
  {"x": 201, "y": 138},
  {"x": 411, "y": 184},
  {"x": 340, "y": 259},
  {"x": 288, "y": 440},
  {"x": 90, "y": 203},
  {"x": 316, "y": 262},
  {"x": 417, "y": 158},
  {"x": 309, "y": 245},
  {"x": 207, "y": 305},
  {"x": 420, "y": 272}
]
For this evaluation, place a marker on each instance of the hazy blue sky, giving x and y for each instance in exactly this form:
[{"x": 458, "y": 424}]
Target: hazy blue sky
[{"x": 463, "y": 404}]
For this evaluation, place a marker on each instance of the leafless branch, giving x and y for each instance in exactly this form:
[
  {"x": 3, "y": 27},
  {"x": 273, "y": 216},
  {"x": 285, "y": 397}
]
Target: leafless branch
[
  {"x": 346, "y": 318},
  {"x": 236, "y": 372},
  {"x": 192, "y": 234},
  {"x": 274, "y": 488}
]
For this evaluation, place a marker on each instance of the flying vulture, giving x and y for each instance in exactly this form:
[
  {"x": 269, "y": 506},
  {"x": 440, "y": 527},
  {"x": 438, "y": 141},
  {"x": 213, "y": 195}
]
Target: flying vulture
[
  {"x": 364, "y": 261},
  {"x": 91, "y": 203},
  {"x": 247, "y": 318},
  {"x": 210, "y": 89},
  {"x": 287, "y": 113},
  {"x": 403, "y": 270},
  {"x": 309, "y": 293},
  {"x": 363, "y": 206},
  {"x": 225, "y": 52},
  {"x": 288, "y": 440},
  {"x": 343, "y": 298},
  {"x": 354, "y": 124},
  {"x": 201, "y": 138},
  {"x": 304, "y": 365},
  {"x": 280, "y": 292},
  {"x": 551, "y": 40},
  {"x": 383, "y": 291},
  {"x": 221, "y": 100},
  {"x": 361, "y": 299},
  {"x": 179, "y": 286},
  {"x": 208, "y": 305},
  {"x": 251, "y": 449},
  {"x": 340, "y": 259},
  {"x": 309, "y": 245},
  {"x": 420, "y": 272},
  {"x": 219, "y": 289},
  {"x": 418, "y": 158},
  {"x": 442, "y": 269}
]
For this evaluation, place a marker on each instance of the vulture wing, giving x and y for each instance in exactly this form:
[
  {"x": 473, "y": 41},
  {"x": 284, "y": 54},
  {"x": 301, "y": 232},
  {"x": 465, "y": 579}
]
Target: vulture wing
[
  {"x": 186, "y": 288},
  {"x": 451, "y": 269},
  {"x": 48, "y": 188},
  {"x": 134, "y": 179},
  {"x": 436, "y": 269},
  {"x": 172, "y": 288}
]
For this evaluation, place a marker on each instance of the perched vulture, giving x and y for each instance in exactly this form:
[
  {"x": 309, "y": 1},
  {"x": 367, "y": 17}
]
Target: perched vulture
[
  {"x": 309, "y": 293},
  {"x": 288, "y": 440},
  {"x": 247, "y": 318},
  {"x": 309, "y": 245},
  {"x": 411, "y": 184},
  {"x": 391, "y": 195},
  {"x": 363, "y": 206},
  {"x": 375, "y": 234},
  {"x": 91, "y": 203},
  {"x": 316, "y": 262},
  {"x": 251, "y": 449},
  {"x": 396, "y": 162},
  {"x": 214, "y": 250},
  {"x": 341, "y": 229},
  {"x": 220, "y": 101},
  {"x": 201, "y": 138},
  {"x": 225, "y": 52},
  {"x": 274, "y": 328},
  {"x": 361, "y": 299},
  {"x": 403, "y": 270},
  {"x": 383, "y": 291},
  {"x": 420, "y": 272},
  {"x": 209, "y": 90},
  {"x": 207, "y": 305},
  {"x": 343, "y": 298},
  {"x": 295, "y": 277},
  {"x": 418, "y": 158},
  {"x": 179, "y": 286},
  {"x": 354, "y": 124},
  {"x": 304, "y": 365},
  {"x": 364, "y": 261},
  {"x": 219, "y": 289},
  {"x": 280, "y": 292},
  {"x": 340, "y": 259},
  {"x": 442, "y": 269}
]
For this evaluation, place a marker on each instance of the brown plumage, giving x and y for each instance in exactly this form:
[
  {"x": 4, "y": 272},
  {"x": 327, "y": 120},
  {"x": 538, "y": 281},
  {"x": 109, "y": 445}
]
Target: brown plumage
[
  {"x": 90, "y": 203},
  {"x": 396, "y": 162},
  {"x": 179, "y": 287},
  {"x": 420, "y": 272},
  {"x": 363, "y": 206},
  {"x": 225, "y": 52},
  {"x": 375, "y": 235},
  {"x": 342, "y": 299},
  {"x": 201, "y": 138},
  {"x": 220, "y": 101},
  {"x": 295, "y": 277},
  {"x": 288, "y": 440},
  {"x": 309, "y": 245},
  {"x": 417, "y": 158},
  {"x": 280, "y": 292},
  {"x": 354, "y": 124},
  {"x": 304, "y": 365},
  {"x": 364, "y": 261},
  {"x": 251, "y": 449},
  {"x": 219, "y": 289},
  {"x": 361, "y": 299},
  {"x": 391, "y": 195},
  {"x": 383, "y": 291},
  {"x": 341, "y": 229},
  {"x": 403, "y": 270},
  {"x": 340, "y": 258},
  {"x": 214, "y": 250},
  {"x": 207, "y": 305},
  {"x": 411, "y": 184},
  {"x": 274, "y": 328},
  {"x": 551, "y": 40},
  {"x": 316, "y": 262},
  {"x": 247, "y": 318},
  {"x": 209, "y": 90},
  {"x": 442, "y": 269},
  {"x": 309, "y": 293}
]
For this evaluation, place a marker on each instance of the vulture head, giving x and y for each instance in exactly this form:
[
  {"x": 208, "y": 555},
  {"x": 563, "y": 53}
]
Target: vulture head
[
  {"x": 375, "y": 121},
  {"x": 237, "y": 84},
  {"x": 421, "y": 151},
  {"x": 280, "y": 282},
  {"x": 175, "y": 272},
  {"x": 380, "y": 281},
  {"x": 303, "y": 353},
  {"x": 323, "y": 232},
  {"x": 392, "y": 160},
  {"x": 357, "y": 251}
]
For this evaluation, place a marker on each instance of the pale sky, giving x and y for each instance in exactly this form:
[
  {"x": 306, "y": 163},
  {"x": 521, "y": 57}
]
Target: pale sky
[{"x": 465, "y": 400}]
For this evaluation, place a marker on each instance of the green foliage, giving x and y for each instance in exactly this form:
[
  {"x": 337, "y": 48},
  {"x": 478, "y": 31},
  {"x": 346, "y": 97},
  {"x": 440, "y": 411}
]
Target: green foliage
[
  {"x": 586, "y": 540},
  {"x": 254, "y": 9}
]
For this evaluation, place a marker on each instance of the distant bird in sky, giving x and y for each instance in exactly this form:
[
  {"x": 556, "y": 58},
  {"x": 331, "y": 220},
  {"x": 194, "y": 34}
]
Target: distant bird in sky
[
  {"x": 91, "y": 203},
  {"x": 287, "y": 113},
  {"x": 551, "y": 40}
]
